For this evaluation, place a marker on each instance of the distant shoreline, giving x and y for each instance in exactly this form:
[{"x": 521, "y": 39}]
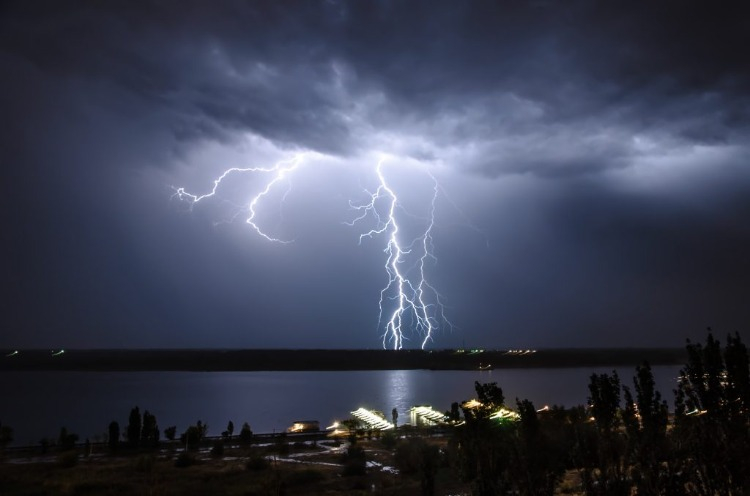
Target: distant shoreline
[{"x": 216, "y": 360}]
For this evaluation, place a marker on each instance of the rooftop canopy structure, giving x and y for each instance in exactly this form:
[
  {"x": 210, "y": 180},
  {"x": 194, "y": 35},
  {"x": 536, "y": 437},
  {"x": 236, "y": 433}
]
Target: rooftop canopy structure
[
  {"x": 426, "y": 416},
  {"x": 373, "y": 420}
]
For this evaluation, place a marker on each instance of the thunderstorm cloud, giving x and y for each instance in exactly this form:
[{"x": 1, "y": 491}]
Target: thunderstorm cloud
[{"x": 593, "y": 159}]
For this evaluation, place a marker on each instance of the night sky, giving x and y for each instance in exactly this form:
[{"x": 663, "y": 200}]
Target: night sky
[{"x": 592, "y": 158}]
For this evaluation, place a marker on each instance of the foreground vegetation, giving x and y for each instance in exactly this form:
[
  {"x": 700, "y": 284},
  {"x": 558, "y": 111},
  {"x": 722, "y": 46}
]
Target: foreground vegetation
[
  {"x": 623, "y": 442},
  {"x": 297, "y": 469}
]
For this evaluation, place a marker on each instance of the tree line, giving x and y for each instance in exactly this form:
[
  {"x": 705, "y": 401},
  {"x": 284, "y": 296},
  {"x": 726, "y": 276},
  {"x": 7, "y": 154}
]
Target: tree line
[
  {"x": 624, "y": 441},
  {"x": 141, "y": 433}
]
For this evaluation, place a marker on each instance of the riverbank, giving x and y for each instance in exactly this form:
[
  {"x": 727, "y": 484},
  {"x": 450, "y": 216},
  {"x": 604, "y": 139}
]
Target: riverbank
[{"x": 331, "y": 360}]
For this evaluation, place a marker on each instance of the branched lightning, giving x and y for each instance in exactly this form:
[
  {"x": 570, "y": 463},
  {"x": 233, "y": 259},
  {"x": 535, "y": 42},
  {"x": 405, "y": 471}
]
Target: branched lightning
[
  {"x": 279, "y": 172},
  {"x": 408, "y": 301},
  {"x": 416, "y": 301}
]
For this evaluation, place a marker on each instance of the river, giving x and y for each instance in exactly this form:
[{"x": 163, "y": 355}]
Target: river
[{"x": 38, "y": 404}]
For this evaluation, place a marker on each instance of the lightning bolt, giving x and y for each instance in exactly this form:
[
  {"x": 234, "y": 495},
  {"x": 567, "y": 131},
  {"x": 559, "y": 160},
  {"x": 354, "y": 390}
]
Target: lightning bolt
[
  {"x": 279, "y": 172},
  {"x": 408, "y": 300},
  {"x": 415, "y": 301}
]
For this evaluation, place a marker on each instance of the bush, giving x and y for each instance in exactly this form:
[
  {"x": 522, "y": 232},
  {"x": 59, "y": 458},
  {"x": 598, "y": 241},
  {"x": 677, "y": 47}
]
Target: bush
[
  {"x": 408, "y": 455},
  {"x": 257, "y": 462},
  {"x": 193, "y": 436},
  {"x": 354, "y": 461},
  {"x": 217, "y": 449},
  {"x": 305, "y": 476},
  {"x": 184, "y": 459},
  {"x": 6, "y": 435},
  {"x": 66, "y": 440},
  {"x": 44, "y": 444},
  {"x": 144, "y": 463},
  {"x": 113, "y": 439},
  {"x": 246, "y": 434},
  {"x": 282, "y": 447},
  {"x": 170, "y": 432},
  {"x": 67, "y": 459},
  {"x": 389, "y": 440}
]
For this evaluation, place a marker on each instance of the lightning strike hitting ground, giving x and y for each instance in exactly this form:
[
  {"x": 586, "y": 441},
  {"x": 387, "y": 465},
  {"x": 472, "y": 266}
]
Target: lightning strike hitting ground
[
  {"x": 416, "y": 301},
  {"x": 408, "y": 301}
]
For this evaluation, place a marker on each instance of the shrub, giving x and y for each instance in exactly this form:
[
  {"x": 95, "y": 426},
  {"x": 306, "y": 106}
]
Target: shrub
[
  {"x": 67, "y": 459},
  {"x": 217, "y": 449},
  {"x": 6, "y": 435},
  {"x": 44, "y": 444},
  {"x": 66, "y": 440},
  {"x": 354, "y": 461},
  {"x": 282, "y": 447},
  {"x": 407, "y": 457},
  {"x": 113, "y": 439},
  {"x": 170, "y": 432},
  {"x": 192, "y": 436},
  {"x": 389, "y": 440},
  {"x": 144, "y": 463},
  {"x": 246, "y": 434},
  {"x": 184, "y": 459},
  {"x": 305, "y": 476},
  {"x": 257, "y": 462}
]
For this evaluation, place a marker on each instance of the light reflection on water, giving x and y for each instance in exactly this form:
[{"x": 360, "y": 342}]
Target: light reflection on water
[
  {"x": 37, "y": 404},
  {"x": 398, "y": 391}
]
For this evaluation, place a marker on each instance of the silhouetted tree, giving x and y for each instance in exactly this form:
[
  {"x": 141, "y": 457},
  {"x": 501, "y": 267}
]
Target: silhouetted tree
[
  {"x": 230, "y": 429},
  {"x": 414, "y": 456},
  {"x": 431, "y": 463},
  {"x": 194, "y": 434},
  {"x": 711, "y": 417},
  {"x": 170, "y": 432},
  {"x": 645, "y": 418},
  {"x": 609, "y": 476},
  {"x": 352, "y": 425},
  {"x": 490, "y": 395},
  {"x": 394, "y": 416},
  {"x": 66, "y": 441},
  {"x": 538, "y": 463},
  {"x": 113, "y": 440},
  {"x": 483, "y": 444},
  {"x": 6, "y": 435},
  {"x": 217, "y": 449},
  {"x": 246, "y": 434},
  {"x": 738, "y": 379},
  {"x": 149, "y": 431},
  {"x": 354, "y": 460},
  {"x": 455, "y": 413},
  {"x": 134, "y": 427}
]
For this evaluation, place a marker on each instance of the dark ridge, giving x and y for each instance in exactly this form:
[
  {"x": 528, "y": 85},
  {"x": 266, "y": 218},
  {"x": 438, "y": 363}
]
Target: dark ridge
[{"x": 320, "y": 360}]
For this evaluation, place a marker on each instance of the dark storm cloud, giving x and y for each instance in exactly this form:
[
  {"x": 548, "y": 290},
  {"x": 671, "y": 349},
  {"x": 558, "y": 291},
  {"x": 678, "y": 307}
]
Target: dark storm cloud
[
  {"x": 630, "y": 123},
  {"x": 291, "y": 72}
]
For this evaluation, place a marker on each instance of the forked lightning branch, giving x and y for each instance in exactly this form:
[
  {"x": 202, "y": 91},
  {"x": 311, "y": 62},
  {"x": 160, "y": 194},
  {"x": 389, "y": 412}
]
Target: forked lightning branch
[{"x": 409, "y": 306}]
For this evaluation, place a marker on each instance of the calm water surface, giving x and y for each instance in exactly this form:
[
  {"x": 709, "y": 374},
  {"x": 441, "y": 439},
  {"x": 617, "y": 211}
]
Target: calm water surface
[{"x": 37, "y": 404}]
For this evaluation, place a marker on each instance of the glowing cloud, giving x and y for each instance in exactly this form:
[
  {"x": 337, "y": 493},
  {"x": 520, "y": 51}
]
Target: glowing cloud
[
  {"x": 408, "y": 302},
  {"x": 279, "y": 172}
]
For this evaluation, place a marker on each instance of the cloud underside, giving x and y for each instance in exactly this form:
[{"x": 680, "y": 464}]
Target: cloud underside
[{"x": 532, "y": 87}]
